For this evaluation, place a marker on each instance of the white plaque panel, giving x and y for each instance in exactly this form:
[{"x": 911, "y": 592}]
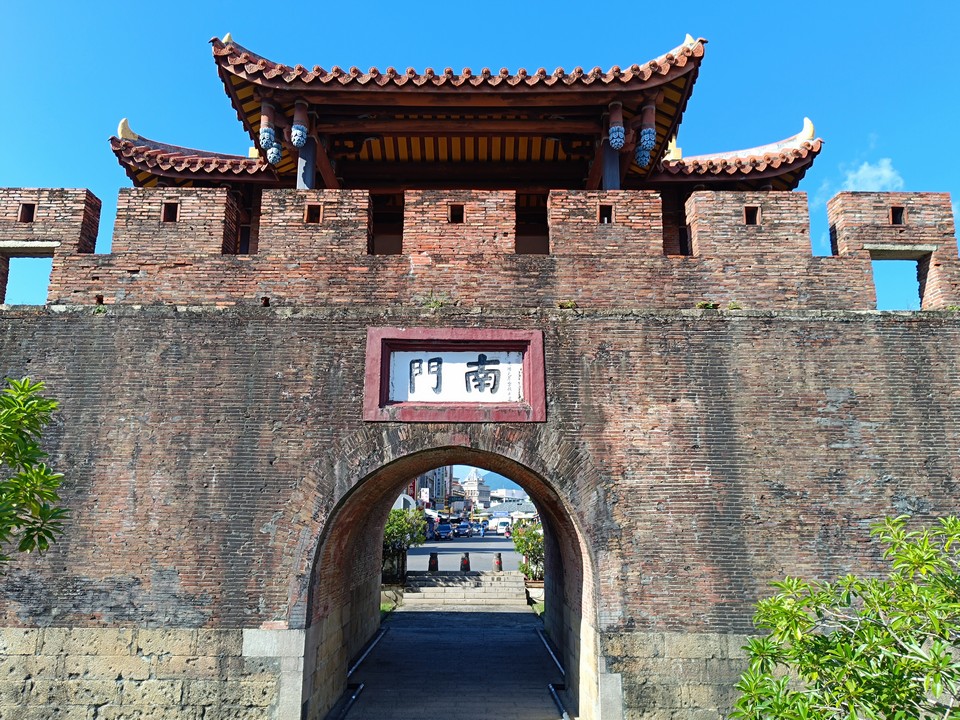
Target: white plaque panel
[{"x": 463, "y": 377}]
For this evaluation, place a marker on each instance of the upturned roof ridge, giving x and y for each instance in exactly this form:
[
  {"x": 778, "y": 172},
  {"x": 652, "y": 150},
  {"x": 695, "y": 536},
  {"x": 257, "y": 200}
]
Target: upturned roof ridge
[{"x": 242, "y": 61}]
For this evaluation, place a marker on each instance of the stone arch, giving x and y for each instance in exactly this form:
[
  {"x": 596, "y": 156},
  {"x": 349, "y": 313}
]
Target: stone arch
[{"x": 357, "y": 482}]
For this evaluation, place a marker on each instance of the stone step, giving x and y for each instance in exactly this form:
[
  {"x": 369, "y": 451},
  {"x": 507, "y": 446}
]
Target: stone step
[
  {"x": 427, "y": 583},
  {"x": 456, "y": 602},
  {"x": 448, "y": 594}
]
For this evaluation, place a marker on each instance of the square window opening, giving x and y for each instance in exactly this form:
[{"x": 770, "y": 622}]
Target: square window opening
[
  {"x": 170, "y": 212},
  {"x": 897, "y": 215},
  {"x": 455, "y": 215},
  {"x": 313, "y": 214},
  {"x": 28, "y": 212},
  {"x": 605, "y": 216},
  {"x": 751, "y": 214},
  {"x": 28, "y": 279},
  {"x": 899, "y": 284}
]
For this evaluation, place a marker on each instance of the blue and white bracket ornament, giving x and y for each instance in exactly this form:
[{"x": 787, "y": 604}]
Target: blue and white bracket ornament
[
  {"x": 641, "y": 156},
  {"x": 617, "y": 136},
  {"x": 274, "y": 154},
  {"x": 298, "y": 135},
  {"x": 267, "y": 137},
  {"x": 648, "y": 138}
]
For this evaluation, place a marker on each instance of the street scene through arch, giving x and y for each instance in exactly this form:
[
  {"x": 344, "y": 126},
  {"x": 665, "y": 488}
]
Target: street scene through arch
[{"x": 344, "y": 607}]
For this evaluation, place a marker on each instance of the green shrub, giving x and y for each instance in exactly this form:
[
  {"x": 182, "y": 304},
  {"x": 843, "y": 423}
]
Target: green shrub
[{"x": 881, "y": 649}]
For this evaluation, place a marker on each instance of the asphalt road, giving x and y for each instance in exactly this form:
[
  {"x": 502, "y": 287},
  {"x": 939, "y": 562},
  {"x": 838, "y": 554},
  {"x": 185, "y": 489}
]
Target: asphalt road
[{"x": 449, "y": 552}]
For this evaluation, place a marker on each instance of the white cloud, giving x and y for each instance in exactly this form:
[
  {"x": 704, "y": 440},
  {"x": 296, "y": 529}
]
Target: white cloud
[
  {"x": 878, "y": 177},
  {"x": 823, "y": 193}
]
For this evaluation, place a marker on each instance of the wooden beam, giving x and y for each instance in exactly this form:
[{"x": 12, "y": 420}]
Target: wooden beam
[
  {"x": 327, "y": 173},
  {"x": 595, "y": 176},
  {"x": 382, "y": 126},
  {"x": 360, "y": 173}
]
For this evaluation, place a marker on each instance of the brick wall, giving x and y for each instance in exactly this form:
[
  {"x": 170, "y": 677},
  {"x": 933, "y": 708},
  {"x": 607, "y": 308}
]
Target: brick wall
[
  {"x": 621, "y": 264},
  {"x": 698, "y": 456},
  {"x": 768, "y": 225},
  {"x": 175, "y": 221},
  {"x": 902, "y": 226}
]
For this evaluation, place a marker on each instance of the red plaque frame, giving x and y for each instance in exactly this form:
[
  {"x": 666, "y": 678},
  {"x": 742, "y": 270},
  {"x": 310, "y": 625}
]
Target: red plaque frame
[{"x": 382, "y": 341}]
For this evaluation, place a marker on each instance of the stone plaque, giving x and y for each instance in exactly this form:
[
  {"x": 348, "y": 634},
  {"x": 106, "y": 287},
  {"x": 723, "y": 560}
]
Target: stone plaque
[{"x": 455, "y": 375}]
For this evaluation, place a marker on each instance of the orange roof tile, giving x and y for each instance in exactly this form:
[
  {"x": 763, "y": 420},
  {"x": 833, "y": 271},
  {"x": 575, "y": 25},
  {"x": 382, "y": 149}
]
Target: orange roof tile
[
  {"x": 239, "y": 61},
  {"x": 795, "y": 155},
  {"x": 149, "y": 156}
]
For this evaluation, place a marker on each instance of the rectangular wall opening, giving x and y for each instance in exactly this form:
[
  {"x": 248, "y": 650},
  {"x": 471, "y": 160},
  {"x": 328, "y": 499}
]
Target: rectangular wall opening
[
  {"x": 898, "y": 284},
  {"x": 455, "y": 215},
  {"x": 751, "y": 214},
  {"x": 897, "y": 215},
  {"x": 386, "y": 224},
  {"x": 313, "y": 214},
  {"x": 28, "y": 211},
  {"x": 605, "y": 215},
  {"x": 532, "y": 231},
  {"x": 170, "y": 212},
  {"x": 28, "y": 279},
  {"x": 683, "y": 240}
]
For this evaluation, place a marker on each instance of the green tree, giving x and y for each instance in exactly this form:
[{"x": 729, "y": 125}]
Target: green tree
[
  {"x": 405, "y": 529},
  {"x": 29, "y": 517},
  {"x": 878, "y": 649},
  {"x": 528, "y": 541}
]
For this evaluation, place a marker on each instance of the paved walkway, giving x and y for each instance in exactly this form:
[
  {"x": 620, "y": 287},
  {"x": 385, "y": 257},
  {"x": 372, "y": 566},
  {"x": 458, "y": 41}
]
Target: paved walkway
[{"x": 478, "y": 665}]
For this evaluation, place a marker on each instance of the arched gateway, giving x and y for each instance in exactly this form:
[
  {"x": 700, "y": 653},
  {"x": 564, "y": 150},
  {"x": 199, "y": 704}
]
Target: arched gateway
[
  {"x": 519, "y": 271},
  {"x": 343, "y": 608}
]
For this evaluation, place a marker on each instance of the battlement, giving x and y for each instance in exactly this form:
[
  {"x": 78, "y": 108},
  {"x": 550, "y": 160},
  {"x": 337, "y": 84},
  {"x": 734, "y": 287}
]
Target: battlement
[{"x": 489, "y": 248}]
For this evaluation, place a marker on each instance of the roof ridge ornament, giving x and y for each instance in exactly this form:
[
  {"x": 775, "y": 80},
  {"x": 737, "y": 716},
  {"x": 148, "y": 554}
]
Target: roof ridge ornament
[
  {"x": 673, "y": 152},
  {"x": 808, "y": 132},
  {"x": 228, "y": 38},
  {"x": 124, "y": 132}
]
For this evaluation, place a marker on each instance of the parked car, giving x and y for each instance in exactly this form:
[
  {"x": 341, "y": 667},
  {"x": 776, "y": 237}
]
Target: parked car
[
  {"x": 503, "y": 526},
  {"x": 476, "y": 528},
  {"x": 444, "y": 531},
  {"x": 463, "y": 530}
]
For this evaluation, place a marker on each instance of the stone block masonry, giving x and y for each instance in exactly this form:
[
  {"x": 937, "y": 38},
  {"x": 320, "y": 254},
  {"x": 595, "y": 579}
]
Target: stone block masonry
[{"x": 606, "y": 250}]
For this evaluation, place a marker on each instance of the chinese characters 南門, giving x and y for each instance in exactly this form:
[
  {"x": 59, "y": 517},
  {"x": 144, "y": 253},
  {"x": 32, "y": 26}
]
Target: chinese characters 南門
[{"x": 483, "y": 375}]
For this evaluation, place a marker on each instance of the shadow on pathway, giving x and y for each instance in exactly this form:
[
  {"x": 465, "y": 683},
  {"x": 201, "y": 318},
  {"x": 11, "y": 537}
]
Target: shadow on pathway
[{"x": 478, "y": 665}]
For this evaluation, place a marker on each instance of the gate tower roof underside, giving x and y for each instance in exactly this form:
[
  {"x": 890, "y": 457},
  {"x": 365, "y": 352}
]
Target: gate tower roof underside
[{"x": 395, "y": 130}]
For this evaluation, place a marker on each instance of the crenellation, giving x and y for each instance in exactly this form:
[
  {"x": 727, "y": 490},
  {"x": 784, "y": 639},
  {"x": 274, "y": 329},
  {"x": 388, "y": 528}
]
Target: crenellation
[
  {"x": 736, "y": 224},
  {"x": 167, "y": 221},
  {"x": 901, "y": 226},
  {"x": 607, "y": 249}
]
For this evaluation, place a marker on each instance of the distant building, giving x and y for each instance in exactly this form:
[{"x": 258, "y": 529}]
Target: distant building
[
  {"x": 499, "y": 496},
  {"x": 476, "y": 490},
  {"x": 432, "y": 488}
]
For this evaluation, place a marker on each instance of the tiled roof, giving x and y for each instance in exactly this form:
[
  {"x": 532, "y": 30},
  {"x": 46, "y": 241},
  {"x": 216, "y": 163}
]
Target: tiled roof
[
  {"x": 253, "y": 67},
  {"x": 141, "y": 156},
  {"x": 801, "y": 149}
]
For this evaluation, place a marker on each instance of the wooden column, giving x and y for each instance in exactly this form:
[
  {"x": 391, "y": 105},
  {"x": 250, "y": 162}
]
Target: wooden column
[
  {"x": 611, "y": 167},
  {"x": 307, "y": 166}
]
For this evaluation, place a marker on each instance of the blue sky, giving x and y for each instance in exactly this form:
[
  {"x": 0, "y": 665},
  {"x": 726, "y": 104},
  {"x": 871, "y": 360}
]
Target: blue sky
[{"x": 880, "y": 85}]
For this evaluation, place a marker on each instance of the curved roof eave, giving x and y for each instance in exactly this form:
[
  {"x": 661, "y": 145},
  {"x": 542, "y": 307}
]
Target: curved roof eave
[{"x": 138, "y": 155}]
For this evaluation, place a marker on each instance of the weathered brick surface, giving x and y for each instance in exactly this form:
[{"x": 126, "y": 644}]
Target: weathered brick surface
[
  {"x": 205, "y": 221},
  {"x": 688, "y": 459},
  {"x": 862, "y": 225},
  {"x": 629, "y": 263}
]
